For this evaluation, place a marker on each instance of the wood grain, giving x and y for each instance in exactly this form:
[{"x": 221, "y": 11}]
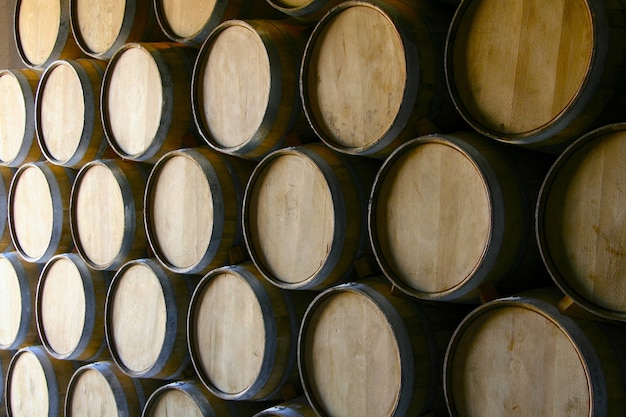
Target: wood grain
[
  {"x": 184, "y": 19},
  {"x": 92, "y": 396},
  {"x": 98, "y": 23},
  {"x": 189, "y": 398},
  {"x": 38, "y": 23}
]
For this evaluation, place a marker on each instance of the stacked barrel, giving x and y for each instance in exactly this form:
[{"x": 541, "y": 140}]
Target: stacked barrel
[{"x": 314, "y": 207}]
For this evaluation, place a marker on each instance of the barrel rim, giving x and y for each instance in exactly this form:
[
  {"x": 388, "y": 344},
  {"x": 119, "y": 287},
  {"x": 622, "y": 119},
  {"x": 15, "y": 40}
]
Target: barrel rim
[
  {"x": 218, "y": 209},
  {"x": 497, "y": 217},
  {"x": 334, "y": 253},
  {"x": 197, "y": 38},
  {"x": 27, "y": 310},
  {"x": 270, "y": 328},
  {"x": 171, "y": 320},
  {"x": 6, "y": 175},
  {"x": 572, "y": 110},
  {"x": 129, "y": 213},
  {"x": 29, "y": 126},
  {"x": 412, "y": 61},
  {"x": 540, "y": 213},
  {"x": 187, "y": 387},
  {"x": 568, "y": 326}
]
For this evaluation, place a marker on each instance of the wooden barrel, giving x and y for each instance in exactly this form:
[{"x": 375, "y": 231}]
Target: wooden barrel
[
  {"x": 42, "y": 32},
  {"x": 145, "y": 320},
  {"x": 242, "y": 334},
  {"x": 304, "y": 216},
  {"x": 36, "y": 384},
  {"x": 70, "y": 309},
  {"x": 450, "y": 213},
  {"x": 102, "y": 27},
  {"x": 305, "y": 10},
  {"x": 100, "y": 389},
  {"x": 365, "y": 351},
  {"x": 198, "y": 233},
  {"x": 6, "y": 175},
  {"x": 189, "y": 398},
  {"x": 297, "y": 407},
  {"x": 145, "y": 99},
  {"x": 18, "y": 143},
  {"x": 67, "y": 109},
  {"x": 5, "y": 359},
  {"x": 18, "y": 284},
  {"x": 580, "y": 227},
  {"x": 39, "y": 200},
  {"x": 537, "y": 74},
  {"x": 106, "y": 213},
  {"x": 372, "y": 76},
  {"x": 521, "y": 356},
  {"x": 191, "y": 21},
  {"x": 245, "y": 91}
]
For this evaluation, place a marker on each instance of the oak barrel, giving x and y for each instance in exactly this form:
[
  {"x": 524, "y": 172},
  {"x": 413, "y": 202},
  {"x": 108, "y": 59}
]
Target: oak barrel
[
  {"x": 67, "y": 110},
  {"x": 191, "y": 21},
  {"x": 245, "y": 86},
  {"x": 5, "y": 359},
  {"x": 70, "y": 309},
  {"x": 372, "y": 74},
  {"x": 365, "y": 351},
  {"x": 18, "y": 285},
  {"x": 39, "y": 200},
  {"x": 534, "y": 73},
  {"x": 145, "y": 320},
  {"x": 520, "y": 356},
  {"x": 242, "y": 334},
  {"x": 106, "y": 213},
  {"x": 36, "y": 384},
  {"x": 450, "y": 213},
  {"x": 145, "y": 99},
  {"x": 196, "y": 234},
  {"x": 102, "y": 27},
  {"x": 18, "y": 141},
  {"x": 6, "y": 175},
  {"x": 100, "y": 389},
  {"x": 305, "y": 10},
  {"x": 296, "y": 407},
  {"x": 580, "y": 222},
  {"x": 42, "y": 32}
]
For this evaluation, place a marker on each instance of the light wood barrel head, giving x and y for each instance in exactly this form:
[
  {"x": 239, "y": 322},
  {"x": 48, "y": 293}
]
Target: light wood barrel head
[
  {"x": 134, "y": 100},
  {"x": 516, "y": 66},
  {"x": 31, "y": 211},
  {"x": 98, "y": 24},
  {"x": 431, "y": 217},
  {"x": 91, "y": 395},
  {"x": 516, "y": 361},
  {"x": 351, "y": 357},
  {"x": 61, "y": 304},
  {"x": 98, "y": 214},
  {"x": 28, "y": 386},
  {"x": 136, "y": 318},
  {"x": 13, "y": 116},
  {"x": 582, "y": 230},
  {"x": 354, "y": 77},
  {"x": 174, "y": 402},
  {"x": 61, "y": 111},
  {"x": 37, "y": 24},
  {"x": 292, "y": 3},
  {"x": 182, "y": 231},
  {"x": 12, "y": 303},
  {"x": 184, "y": 19},
  {"x": 235, "y": 84},
  {"x": 290, "y": 217},
  {"x": 229, "y": 334}
]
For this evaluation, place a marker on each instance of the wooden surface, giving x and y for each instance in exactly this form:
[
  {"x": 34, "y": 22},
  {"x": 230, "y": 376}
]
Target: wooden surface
[
  {"x": 356, "y": 76},
  {"x": 62, "y": 306},
  {"x": 291, "y": 217},
  {"x": 296, "y": 407},
  {"x": 517, "y": 65},
  {"x": 98, "y": 214},
  {"x": 351, "y": 357},
  {"x": 28, "y": 391},
  {"x": 517, "y": 362},
  {"x": 229, "y": 328},
  {"x": 137, "y": 317},
  {"x": 433, "y": 217},
  {"x": 175, "y": 403},
  {"x": 13, "y": 108},
  {"x": 12, "y": 303},
  {"x": 32, "y": 217},
  {"x": 92, "y": 395},
  {"x": 235, "y": 85},
  {"x": 38, "y": 23},
  {"x": 134, "y": 96},
  {"x": 98, "y": 23},
  {"x": 6, "y": 175},
  {"x": 182, "y": 231},
  {"x": 582, "y": 226},
  {"x": 184, "y": 19}
]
